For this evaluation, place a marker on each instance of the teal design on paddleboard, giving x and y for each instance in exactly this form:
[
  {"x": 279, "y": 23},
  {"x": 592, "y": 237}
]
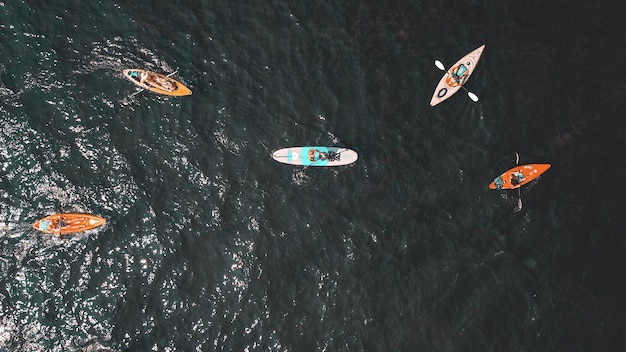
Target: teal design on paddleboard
[{"x": 317, "y": 156}]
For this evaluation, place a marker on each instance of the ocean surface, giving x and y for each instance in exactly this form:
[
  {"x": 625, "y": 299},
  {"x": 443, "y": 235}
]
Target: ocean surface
[{"x": 210, "y": 245}]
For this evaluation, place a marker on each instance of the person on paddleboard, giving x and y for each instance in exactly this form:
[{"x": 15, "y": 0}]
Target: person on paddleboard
[{"x": 316, "y": 155}]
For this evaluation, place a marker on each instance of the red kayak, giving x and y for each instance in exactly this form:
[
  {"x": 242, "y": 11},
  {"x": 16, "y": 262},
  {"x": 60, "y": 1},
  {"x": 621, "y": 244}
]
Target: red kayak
[{"x": 518, "y": 176}]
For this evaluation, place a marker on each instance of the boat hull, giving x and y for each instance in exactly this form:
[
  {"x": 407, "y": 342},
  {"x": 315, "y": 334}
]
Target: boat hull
[
  {"x": 71, "y": 223},
  {"x": 456, "y": 76},
  {"x": 156, "y": 82},
  {"x": 315, "y": 156},
  {"x": 524, "y": 174}
]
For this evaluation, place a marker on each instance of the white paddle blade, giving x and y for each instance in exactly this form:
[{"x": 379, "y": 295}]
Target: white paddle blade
[
  {"x": 440, "y": 65},
  {"x": 137, "y": 92},
  {"x": 472, "y": 96}
]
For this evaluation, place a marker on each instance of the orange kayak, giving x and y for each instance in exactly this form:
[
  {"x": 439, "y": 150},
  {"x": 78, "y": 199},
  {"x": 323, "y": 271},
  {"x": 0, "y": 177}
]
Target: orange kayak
[
  {"x": 518, "y": 176},
  {"x": 156, "y": 82},
  {"x": 61, "y": 224}
]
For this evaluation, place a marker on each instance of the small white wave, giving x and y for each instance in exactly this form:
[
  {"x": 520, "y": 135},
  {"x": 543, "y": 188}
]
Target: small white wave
[
  {"x": 299, "y": 177},
  {"x": 222, "y": 139},
  {"x": 5, "y": 92}
]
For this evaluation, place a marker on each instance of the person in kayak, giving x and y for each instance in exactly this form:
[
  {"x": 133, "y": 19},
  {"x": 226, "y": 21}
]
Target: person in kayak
[
  {"x": 135, "y": 75},
  {"x": 517, "y": 178},
  {"x": 144, "y": 77},
  {"x": 459, "y": 73},
  {"x": 150, "y": 79},
  {"x": 58, "y": 224}
]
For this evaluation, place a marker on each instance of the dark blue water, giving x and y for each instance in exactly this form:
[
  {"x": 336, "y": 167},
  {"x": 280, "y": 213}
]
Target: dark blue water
[{"x": 210, "y": 245}]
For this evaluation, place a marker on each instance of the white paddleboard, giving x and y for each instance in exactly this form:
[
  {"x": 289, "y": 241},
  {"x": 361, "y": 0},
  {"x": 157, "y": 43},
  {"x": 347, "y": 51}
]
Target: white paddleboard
[{"x": 315, "y": 156}]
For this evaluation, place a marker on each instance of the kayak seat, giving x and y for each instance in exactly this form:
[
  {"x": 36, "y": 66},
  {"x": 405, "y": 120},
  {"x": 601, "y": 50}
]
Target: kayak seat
[
  {"x": 498, "y": 182},
  {"x": 44, "y": 224},
  {"x": 462, "y": 69}
]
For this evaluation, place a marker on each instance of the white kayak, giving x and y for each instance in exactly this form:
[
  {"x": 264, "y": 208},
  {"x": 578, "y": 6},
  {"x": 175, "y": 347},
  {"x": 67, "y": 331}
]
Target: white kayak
[{"x": 456, "y": 76}]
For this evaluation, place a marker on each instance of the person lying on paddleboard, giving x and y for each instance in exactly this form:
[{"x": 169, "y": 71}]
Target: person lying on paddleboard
[{"x": 316, "y": 155}]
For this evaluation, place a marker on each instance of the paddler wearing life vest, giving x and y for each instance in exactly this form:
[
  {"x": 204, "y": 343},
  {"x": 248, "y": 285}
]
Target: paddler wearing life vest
[
  {"x": 457, "y": 76},
  {"x": 517, "y": 178}
]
